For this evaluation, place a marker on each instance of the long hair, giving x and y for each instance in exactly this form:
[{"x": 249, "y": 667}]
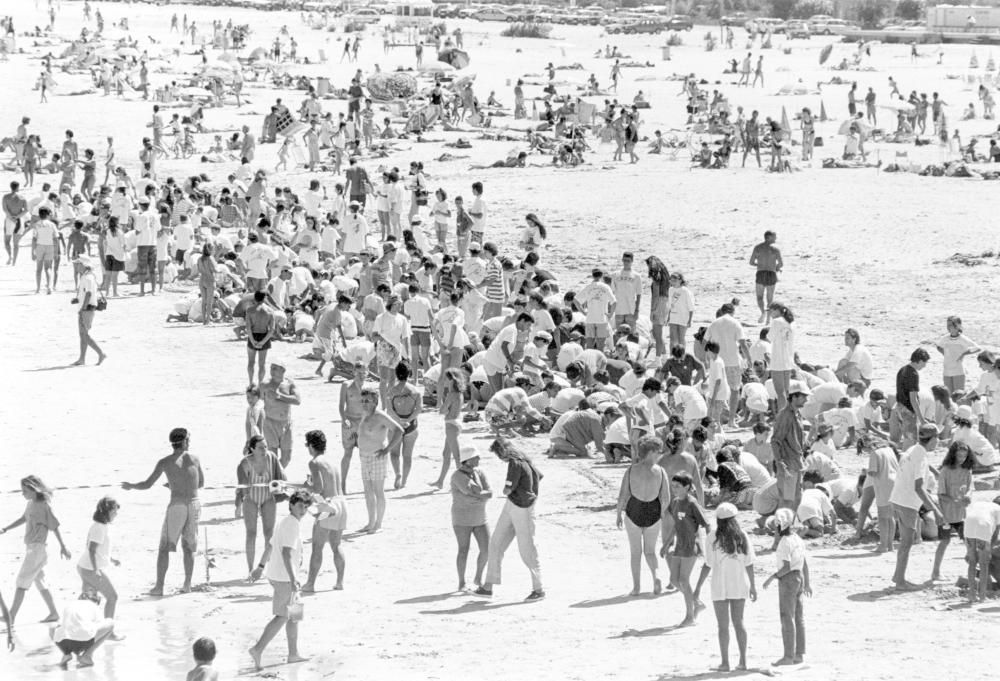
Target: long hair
[
  {"x": 730, "y": 538},
  {"x": 951, "y": 458},
  {"x": 502, "y": 445},
  {"x": 34, "y": 484},
  {"x": 783, "y": 311},
  {"x": 659, "y": 274},
  {"x": 941, "y": 395},
  {"x": 533, "y": 219},
  {"x": 102, "y": 514}
]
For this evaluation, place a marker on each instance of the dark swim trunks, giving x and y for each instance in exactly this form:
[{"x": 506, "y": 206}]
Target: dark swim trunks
[
  {"x": 766, "y": 278},
  {"x": 257, "y": 338}
]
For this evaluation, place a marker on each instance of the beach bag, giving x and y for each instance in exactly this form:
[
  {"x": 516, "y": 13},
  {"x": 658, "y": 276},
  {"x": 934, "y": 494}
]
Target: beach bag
[
  {"x": 102, "y": 303},
  {"x": 296, "y": 609},
  {"x": 818, "y": 142}
]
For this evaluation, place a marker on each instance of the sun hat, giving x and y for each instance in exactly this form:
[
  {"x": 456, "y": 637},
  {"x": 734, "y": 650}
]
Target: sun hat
[
  {"x": 466, "y": 453},
  {"x": 784, "y": 518},
  {"x": 798, "y": 388},
  {"x": 965, "y": 412},
  {"x": 725, "y": 510}
]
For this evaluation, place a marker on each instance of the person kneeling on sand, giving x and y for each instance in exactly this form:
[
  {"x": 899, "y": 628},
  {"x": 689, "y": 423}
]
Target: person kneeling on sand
[{"x": 82, "y": 630}]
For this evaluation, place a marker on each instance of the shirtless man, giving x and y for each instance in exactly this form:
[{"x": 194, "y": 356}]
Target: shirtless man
[
  {"x": 260, "y": 330},
  {"x": 674, "y": 463},
  {"x": 767, "y": 259},
  {"x": 350, "y": 415},
  {"x": 378, "y": 434},
  {"x": 279, "y": 394},
  {"x": 328, "y": 322},
  {"x": 324, "y": 483},
  {"x": 184, "y": 478}
]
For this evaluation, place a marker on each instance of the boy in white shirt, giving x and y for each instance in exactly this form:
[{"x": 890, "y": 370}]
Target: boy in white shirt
[
  {"x": 599, "y": 302},
  {"x": 717, "y": 389}
]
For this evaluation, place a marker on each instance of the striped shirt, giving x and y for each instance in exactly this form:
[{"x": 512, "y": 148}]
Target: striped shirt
[{"x": 494, "y": 282}]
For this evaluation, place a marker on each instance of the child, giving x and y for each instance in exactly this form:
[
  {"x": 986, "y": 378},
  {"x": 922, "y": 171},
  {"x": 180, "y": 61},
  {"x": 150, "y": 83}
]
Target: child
[
  {"x": 954, "y": 348},
  {"x": 303, "y": 325},
  {"x": 717, "y": 392},
  {"x": 793, "y": 581},
  {"x": 815, "y": 511},
  {"x": 255, "y": 412},
  {"x": 871, "y": 415},
  {"x": 760, "y": 444},
  {"x": 204, "y": 655},
  {"x": 982, "y": 523},
  {"x": 843, "y": 422},
  {"x": 760, "y": 350},
  {"x": 680, "y": 541},
  {"x": 754, "y": 401},
  {"x": 883, "y": 463},
  {"x": 38, "y": 520},
  {"x": 820, "y": 458},
  {"x": 987, "y": 390},
  {"x": 283, "y": 152},
  {"x": 954, "y": 495}
]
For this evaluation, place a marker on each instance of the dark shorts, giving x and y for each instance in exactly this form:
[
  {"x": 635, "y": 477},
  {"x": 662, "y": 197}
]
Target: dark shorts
[
  {"x": 360, "y": 198},
  {"x": 147, "y": 259},
  {"x": 112, "y": 265},
  {"x": 944, "y": 531},
  {"x": 179, "y": 256},
  {"x": 420, "y": 338},
  {"x": 257, "y": 338},
  {"x": 852, "y": 109},
  {"x": 71, "y": 647},
  {"x": 766, "y": 278}
]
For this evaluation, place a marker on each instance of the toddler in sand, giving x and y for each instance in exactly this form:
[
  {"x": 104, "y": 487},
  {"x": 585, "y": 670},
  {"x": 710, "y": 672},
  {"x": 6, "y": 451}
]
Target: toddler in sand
[{"x": 204, "y": 656}]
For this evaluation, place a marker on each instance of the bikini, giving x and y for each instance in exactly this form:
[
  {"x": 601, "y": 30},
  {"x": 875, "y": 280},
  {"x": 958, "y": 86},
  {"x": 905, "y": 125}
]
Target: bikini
[
  {"x": 410, "y": 427},
  {"x": 643, "y": 513}
]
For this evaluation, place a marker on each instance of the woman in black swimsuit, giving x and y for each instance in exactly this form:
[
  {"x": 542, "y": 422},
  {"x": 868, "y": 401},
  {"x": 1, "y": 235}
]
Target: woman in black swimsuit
[
  {"x": 644, "y": 497},
  {"x": 403, "y": 403}
]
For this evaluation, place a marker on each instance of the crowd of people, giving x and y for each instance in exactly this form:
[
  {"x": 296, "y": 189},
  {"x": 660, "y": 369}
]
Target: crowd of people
[{"x": 403, "y": 290}]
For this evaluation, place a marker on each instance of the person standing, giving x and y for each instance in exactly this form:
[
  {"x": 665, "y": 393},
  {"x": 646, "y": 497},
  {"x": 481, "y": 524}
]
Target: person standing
[
  {"x": 87, "y": 296},
  {"x": 907, "y": 415},
  {"x": 248, "y": 146},
  {"x": 793, "y": 581},
  {"x": 280, "y": 564},
  {"x": 261, "y": 327},
  {"x": 782, "y": 337},
  {"x": 680, "y": 311},
  {"x": 908, "y": 495},
  {"x": 727, "y": 331},
  {"x": 659, "y": 303},
  {"x": 15, "y": 210},
  {"x": 767, "y": 259},
  {"x": 378, "y": 434},
  {"x": 870, "y": 107},
  {"x": 626, "y": 285},
  {"x": 477, "y": 211},
  {"x": 598, "y": 302},
  {"x": 255, "y": 473},
  {"x": 145, "y": 222},
  {"x": 403, "y": 403},
  {"x": 279, "y": 394},
  {"x": 643, "y": 517},
  {"x": 184, "y": 478},
  {"x": 788, "y": 445},
  {"x": 469, "y": 492},
  {"x": 808, "y": 134},
  {"x": 729, "y": 557},
  {"x": 517, "y": 520},
  {"x": 96, "y": 559},
  {"x": 44, "y": 242},
  {"x": 324, "y": 483}
]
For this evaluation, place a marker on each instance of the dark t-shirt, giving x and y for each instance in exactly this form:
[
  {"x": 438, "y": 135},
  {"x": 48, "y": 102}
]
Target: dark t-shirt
[
  {"x": 523, "y": 479},
  {"x": 732, "y": 477},
  {"x": 907, "y": 381},
  {"x": 687, "y": 519},
  {"x": 684, "y": 368},
  {"x": 357, "y": 177}
]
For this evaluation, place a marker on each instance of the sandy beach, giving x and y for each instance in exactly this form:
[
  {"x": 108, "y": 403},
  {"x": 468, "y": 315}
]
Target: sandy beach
[{"x": 862, "y": 248}]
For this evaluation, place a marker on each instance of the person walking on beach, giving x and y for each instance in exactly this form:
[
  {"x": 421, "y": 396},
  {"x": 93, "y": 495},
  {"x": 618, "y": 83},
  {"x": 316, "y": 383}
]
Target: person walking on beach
[
  {"x": 184, "y": 478},
  {"x": 729, "y": 558},
  {"x": 908, "y": 496},
  {"x": 767, "y": 259},
  {"x": 517, "y": 520},
  {"x": 38, "y": 520},
  {"x": 793, "y": 582},
  {"x": 281, "y": 564},
  {"x": 328, "y": 530},
  {"x": 279, "y": 394},
  {"x": 470, "y": 491},
  {"x": 96, "y": 559},
  {"x": 87, "y": 297}
]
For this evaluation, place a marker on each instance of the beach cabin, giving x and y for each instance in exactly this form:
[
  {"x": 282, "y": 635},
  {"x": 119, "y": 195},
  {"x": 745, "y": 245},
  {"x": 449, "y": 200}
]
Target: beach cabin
[{"x": 417, "y": 14}]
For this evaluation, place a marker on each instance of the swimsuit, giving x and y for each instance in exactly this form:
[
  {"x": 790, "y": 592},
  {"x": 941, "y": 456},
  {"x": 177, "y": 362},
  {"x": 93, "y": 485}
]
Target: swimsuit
[
  {"x": 411, "y": 400},
  {"x": 643, "y": 513},
  {"x": 257, "y": 338}
]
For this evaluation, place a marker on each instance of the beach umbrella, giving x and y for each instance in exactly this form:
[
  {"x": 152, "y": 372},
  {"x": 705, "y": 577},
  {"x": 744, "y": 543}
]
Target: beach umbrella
[
  {"x": 457, "y": 58},
  {"x": 822, "y": 112},
  {"x": 784, "y": 122},
  {"x": 824, "y": 54},
  {"x": 845, "y": 127}
]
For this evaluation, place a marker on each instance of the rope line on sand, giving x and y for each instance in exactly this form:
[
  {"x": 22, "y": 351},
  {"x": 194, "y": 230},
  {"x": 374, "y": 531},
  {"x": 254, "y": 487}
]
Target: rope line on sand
[{"x": 276, "y": 486}]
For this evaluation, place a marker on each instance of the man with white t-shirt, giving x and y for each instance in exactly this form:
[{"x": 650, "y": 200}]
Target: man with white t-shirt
[
  {"x": 689, "y": 400},
  {"x": 626, "y": 286},
  {"x": 908, "y": 495},
  {"x": 312, "y": 198},
  {"x": 44, "y": 243},
  {"x": 257, "y": 257},
  {"x": 727, "y": 331},
  {"x": 184, "y": 239},
  {"x": 599, "y": 302},
  {"x": 502, "y": 355},
  {"x": 146, "y": 222},
  {"x": 283, "y": 559},
  {"x": 477, "y": 211}
]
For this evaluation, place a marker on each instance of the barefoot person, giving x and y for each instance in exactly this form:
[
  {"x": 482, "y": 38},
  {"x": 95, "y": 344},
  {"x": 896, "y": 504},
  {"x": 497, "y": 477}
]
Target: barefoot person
[
  {"x": 517, "y": 520},
  {"x": 908, "y": 495},
  {"x": 469, "y": 492},
  {"x": 260, "y": 330},
  {"x": 729, "y": 558},
  {"x": 767, "y": 259},
  {"x": 254, "y": 498},
  {"x": 680, "y": 542},
  {"x": 403, "y": 404},
  {"x": 279, "y": 394},
  {"x": 793, "y": 581},
  {"x": 82, "y": 630},
  {"x": 87, "y": 296},
  {"x": 184, "y": 478},
  {"x": 324, "y": 483},
  {"x": 283, "y": 558},
  {"x": 644, "y": 498},
  {"x": 38, "y": 520},
  {"x": 96, "y": 559},
  {"x": 351, "y": 412},
  {"x": 378, "y": 434}
]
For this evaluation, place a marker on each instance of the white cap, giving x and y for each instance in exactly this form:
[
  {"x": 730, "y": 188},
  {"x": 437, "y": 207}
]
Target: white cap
[{"x": 466, "y": 453}]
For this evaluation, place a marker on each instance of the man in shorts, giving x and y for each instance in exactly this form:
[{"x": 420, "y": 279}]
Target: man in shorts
[
  {"x": 906, "y": 415},
  {"x": 184, "y": 478},
  {"x": 378, "y": 434},
  {"x": 418, "y": 310},
  {"x": 145, "y": 221},
  {"x": 15, "y": 209},
  {"x": 261, "y": 326},
  {"x": 282, "y": 558},
  {"x": 599, "y": 302},
  {"x": 279, "y": 394},
  {"x": 908, "y": 495},
  {"x": 44, "y": 243},
  {"x": 767, "y": 259},
  {"x": 351, "y": 412},
  {"x": 626, "y": 286},
  {"x": 324, "y": 483}
]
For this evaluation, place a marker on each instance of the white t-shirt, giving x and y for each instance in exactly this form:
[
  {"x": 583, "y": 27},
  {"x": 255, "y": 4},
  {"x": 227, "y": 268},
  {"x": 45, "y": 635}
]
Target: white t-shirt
[
  {"x": 631, "y": 383},
  {"x": 568, "y": 353},
  {"x": 791, "y": 548},
  {"x": 841, "y": 420},
  {"x": 183, "y": 232},
  {"x": 626, "y": 287},
  {"x": 680, "y": 306},
  {"x": 87, "y": 284},
  {"x": 617, "y": 434},
  {"x": 814, "y": 504},
  {"x": 45, "y": 233},
  {"x": 98, "y": 534},
  {"x": 478, "y": 206},
  {"x": 691, "y": 401},
  {"x": 729, "y": 571},
  {"x": 256, "y": 258},
  {"x": 760, "y": 350},
  {"x": 717, "y": 372},
  {"x": 286, "y": 534},
  {"x": 495, "y": 359},
  {"x": 844, "y": 490},
  {"x": 567, "y": 399},
  {"x": 912, "y": 467},
  {"x": 863, "y": 358},
  {"x": 981, "y": 520},
  {"x": 954, "y": 348},
  {"x": 418, "y": 310},
  {"x": 869, "y": 412},
  {"x": 759, "y": 476},
  {"x": 755, "y": 395},
  {"x": 828, "y": 393},
  {"x": 728, "y": 333},
  {"x": 598, "y": 298},
  {"x": 647, "y": 410},
  {"x": 988, "y": 390},
  {"x": 782, "y": 337},
  {"x": 448, "y": 318}
]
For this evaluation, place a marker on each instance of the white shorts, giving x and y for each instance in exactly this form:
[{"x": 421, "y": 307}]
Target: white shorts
[{"x": 33, "y": 568}]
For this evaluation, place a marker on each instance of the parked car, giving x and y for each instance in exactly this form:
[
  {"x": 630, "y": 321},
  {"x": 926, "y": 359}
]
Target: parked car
[
  {"x": 679, "y": 22},
  {"x": 827, "y": 26},
  {"x": 654, "y": 26},
  {"x": 769, "y": 24},
  {"x": 797, "y": 29},
  {"x": 737, "y": 19},
  {"x": 365, "y": 15},
  {"x": 446, "y": 11},
  {"x": 590, "y": 17},
  {"x": 491, "y": 14}
]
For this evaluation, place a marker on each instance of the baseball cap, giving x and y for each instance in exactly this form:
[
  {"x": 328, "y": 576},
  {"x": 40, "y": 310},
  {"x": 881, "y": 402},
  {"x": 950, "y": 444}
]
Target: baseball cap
[
  {"x": 965, "y": 412},
  {"x": 798, "y": 388},
  {"x": 725, "y": 510},
  {"x": 466, "y": 453},
  {"x": 544, "y": 335}
]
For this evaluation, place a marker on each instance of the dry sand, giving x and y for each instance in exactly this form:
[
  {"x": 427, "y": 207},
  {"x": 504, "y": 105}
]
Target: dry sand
[{"x": 862, "y": 249}]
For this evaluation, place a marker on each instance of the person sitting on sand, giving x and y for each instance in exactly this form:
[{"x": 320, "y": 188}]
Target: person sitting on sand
[
  {"x": 387, "y": 132},
  {"x": 970, "y": 113},
  {"x": 656, "y": 146},
  {"x": 510, "y": 162}
]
